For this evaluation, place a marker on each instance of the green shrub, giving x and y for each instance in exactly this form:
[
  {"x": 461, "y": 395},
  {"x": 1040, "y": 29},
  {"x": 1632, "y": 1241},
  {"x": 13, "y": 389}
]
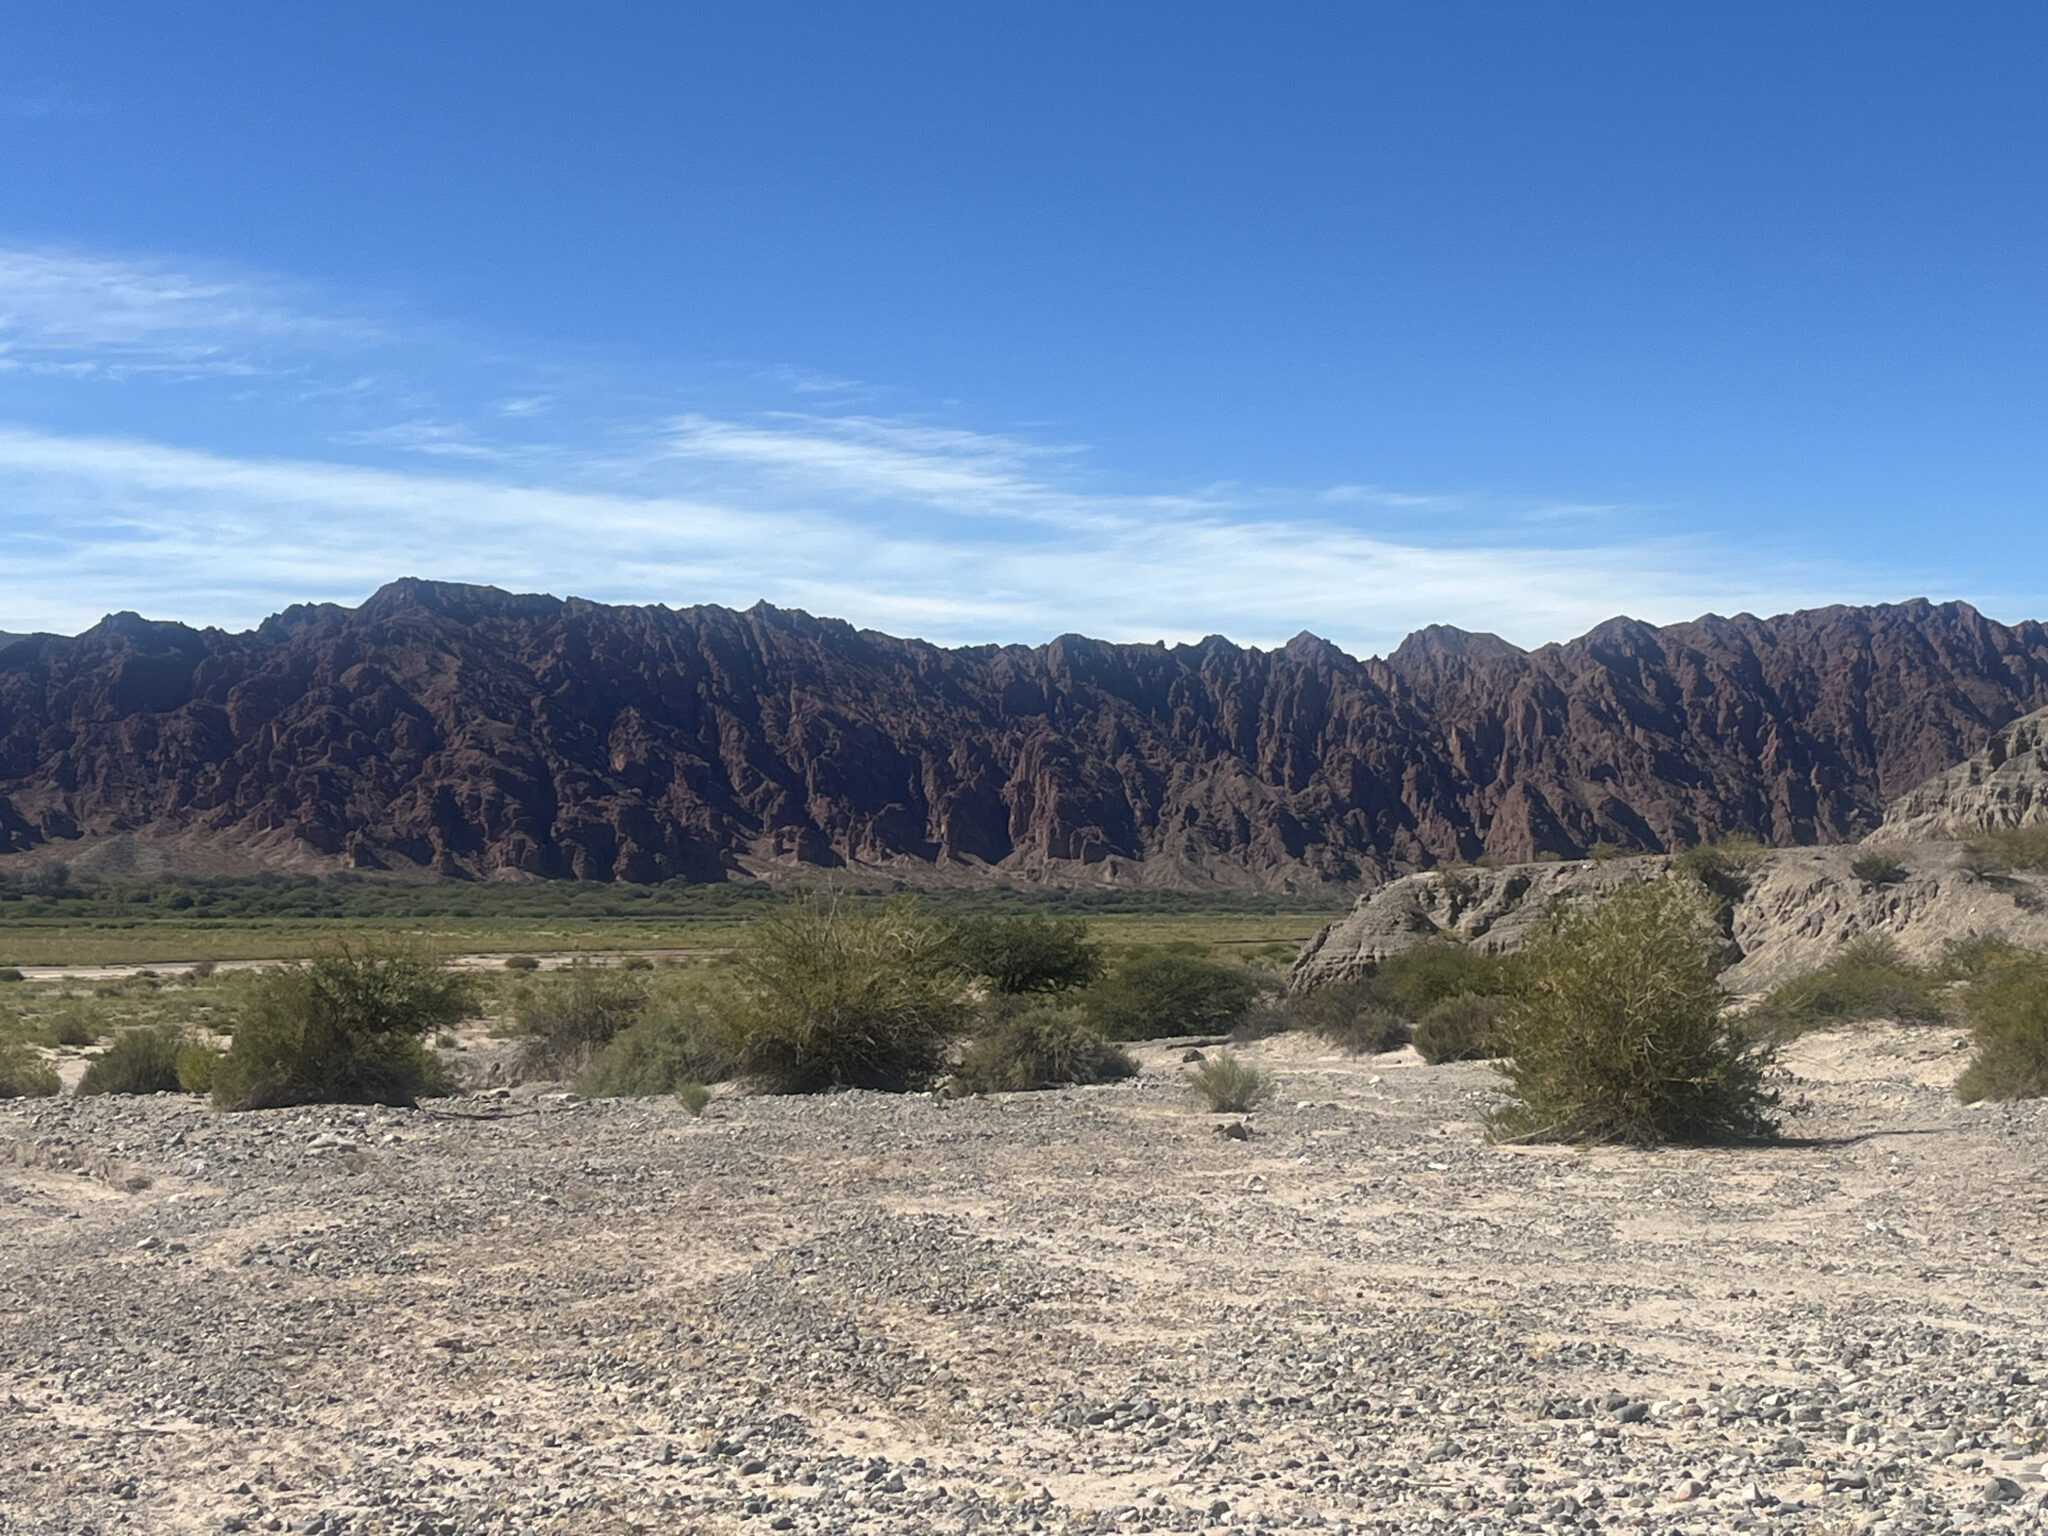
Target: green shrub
[
  {"x": 693, "y": 1097},
  {"x": 662, "y": 1052},
  {"x": 1878, "y": 869},
  {"x": 636, "y": 963},
  {"x": 10, "y": 973},
  {"x": 521, "y": 963},
  {"x": 836, "y": 996},
  {"x": 2008, "y": 1012},
  {"x": 1722, "y": 867},
  {"x": 572, "y": 1015},
  {"x": 1976, "y": 955},
  {"x": 1615, "y": 1031},
  {"x": 139, "y": 1061},
  {"x": 196, "y": 1066},
  {"x": 1041, "y": 1047},
  {"x": 2014, "y": 847},
  {"x": 1380, "y": 1011},
  {"x": 72, "y": 1026},
  {"x": 1419, "y": 978},
  {"x": 342, "y": 1028},
  {"x": 1462, "y": 1028},
  {"x": 1353, "y": 1015},
  {"x": 1867, "y": 979},
  {"x": 1022, "y": 955},
  {"x": 24, "y": 1074},
  {"x": 1229, "y": 1086},
  {"x": 1157, "y": 994}
]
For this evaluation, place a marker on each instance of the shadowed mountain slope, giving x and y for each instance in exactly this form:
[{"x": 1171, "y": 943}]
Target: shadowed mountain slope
[{"x": 470, "y": 731}]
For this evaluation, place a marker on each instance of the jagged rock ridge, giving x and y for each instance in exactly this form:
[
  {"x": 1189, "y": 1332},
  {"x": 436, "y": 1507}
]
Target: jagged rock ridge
[{"x": 470, "y": 731}]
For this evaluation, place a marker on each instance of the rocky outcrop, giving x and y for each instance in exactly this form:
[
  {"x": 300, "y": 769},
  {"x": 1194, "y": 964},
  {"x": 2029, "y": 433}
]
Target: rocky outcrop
[
  {"x": 466, "y": 731},
  {"x": 2005, "y": 785},
  {"x": 1799, "y": 906},
  {"x": 1491, "y": 909}
]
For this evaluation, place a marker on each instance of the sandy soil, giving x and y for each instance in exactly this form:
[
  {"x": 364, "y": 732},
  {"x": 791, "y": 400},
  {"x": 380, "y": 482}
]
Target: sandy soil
[{"x": 1083, "y": 1310}]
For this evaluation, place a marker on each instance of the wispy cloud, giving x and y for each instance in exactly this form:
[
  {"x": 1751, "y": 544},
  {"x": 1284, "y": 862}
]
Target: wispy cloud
[
  {"x": 396, "y": 449},
  {"x": 216, "y": 538},
  {"x": 75, "y": 315}
]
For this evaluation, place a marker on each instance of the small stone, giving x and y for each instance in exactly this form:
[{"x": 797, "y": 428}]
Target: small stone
[{"x": 2002, "y": 1490}]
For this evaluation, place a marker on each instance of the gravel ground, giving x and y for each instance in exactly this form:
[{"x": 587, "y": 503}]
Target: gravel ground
[{"x": 1053, "y": 1312}]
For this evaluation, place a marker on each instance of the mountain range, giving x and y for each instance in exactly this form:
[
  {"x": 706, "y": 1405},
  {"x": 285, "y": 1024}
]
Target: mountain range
[{"x": 466, "y": 731}]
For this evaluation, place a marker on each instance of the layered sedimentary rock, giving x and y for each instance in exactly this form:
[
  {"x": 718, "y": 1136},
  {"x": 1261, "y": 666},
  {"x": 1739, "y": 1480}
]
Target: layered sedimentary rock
[
  {"x": 2002, "y": 786},
  {"x": 468, "y": 731}
]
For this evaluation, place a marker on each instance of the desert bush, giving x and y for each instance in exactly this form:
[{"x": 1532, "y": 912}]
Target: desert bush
[
  {"x": 1867, "y": 979},
  {"x": 2013, "y": 847},
  {"x": 1039, "y": 1047},
  {"x": 1155, "y": 994},
  {"x": 1380, "y": 1010},
  {"x": 1417, "y": 979},
  {"x": 1722, "y": 867},
  {"x": 636, "y": 963},
  {"x": 1615, "y": 1030},
  {"x": 662, "y": 1052},
  {"x": 139, "y": 1061},
  {"x": 10, "y": 973},
  {"x": 1462, "y": 1028},
  {"x": 1976, "y": 955},
  {"x": 1354, "y": 1015},
  {"x": 72, "y": 1026},
  {"x": 572, "y": 1015},
  {"x": 342, "y": 1028},
  {"x": 521, "y": 963},
  {"x": 693, "y": 1097},
  {"x": 1229, "y": 1086},
  {"x": 837, "y": 996},
  {"x": 1877, "y": 869},
  {"x": 196, "y": 1065},
  {"x": 2008, "y": 1013},
  {"x": 24, "y": 1074},
  {"x": 1022, "y": 955}
]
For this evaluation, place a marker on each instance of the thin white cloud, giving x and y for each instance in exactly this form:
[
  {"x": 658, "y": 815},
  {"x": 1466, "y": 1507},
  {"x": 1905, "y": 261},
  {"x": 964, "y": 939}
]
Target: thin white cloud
[
  {"x": 906, "y": 525},
  {"x": 67, "y": 314},
  {"x": 212, "y": 538}
]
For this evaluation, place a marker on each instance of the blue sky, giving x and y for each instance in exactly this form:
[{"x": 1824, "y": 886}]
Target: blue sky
[{"x": 991, "y": 322}]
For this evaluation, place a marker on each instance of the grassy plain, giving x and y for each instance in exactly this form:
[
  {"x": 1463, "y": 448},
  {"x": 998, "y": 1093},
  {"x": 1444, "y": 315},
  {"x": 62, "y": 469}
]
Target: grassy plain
[{"x": 179, "y": 923}]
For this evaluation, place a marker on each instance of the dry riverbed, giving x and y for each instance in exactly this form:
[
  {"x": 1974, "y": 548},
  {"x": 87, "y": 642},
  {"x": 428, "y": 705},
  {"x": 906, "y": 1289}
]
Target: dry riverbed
[{"x": 1068, "y": 1311}]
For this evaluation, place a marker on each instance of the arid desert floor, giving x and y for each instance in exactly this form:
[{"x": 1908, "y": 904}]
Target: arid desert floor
[{"x": 1081, "y": 1310}]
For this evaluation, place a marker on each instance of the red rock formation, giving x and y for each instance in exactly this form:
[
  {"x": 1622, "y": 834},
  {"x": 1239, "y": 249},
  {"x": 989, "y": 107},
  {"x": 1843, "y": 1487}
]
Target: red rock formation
[{"x": 474, "y": 732}]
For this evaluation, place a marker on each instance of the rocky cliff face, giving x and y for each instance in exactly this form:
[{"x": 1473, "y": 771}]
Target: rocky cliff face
[
  {"x": 2004, "y": 785},
  {"x": 468, "y": 731},
  {"x": 1800, "y": 905}
]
